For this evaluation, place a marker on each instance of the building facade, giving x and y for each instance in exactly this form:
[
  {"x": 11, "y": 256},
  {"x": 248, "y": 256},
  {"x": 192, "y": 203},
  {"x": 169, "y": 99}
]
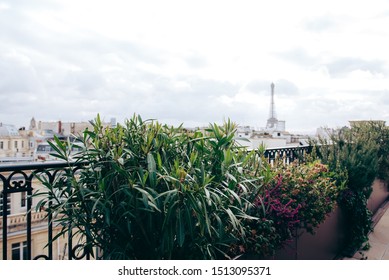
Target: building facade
[
  {"x": 14, "y": 142},
  {"x": 65, "y": 128}
]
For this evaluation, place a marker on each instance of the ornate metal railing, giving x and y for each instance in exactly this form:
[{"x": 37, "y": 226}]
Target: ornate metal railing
[
  {"x": 287, "y": 155},
  {"x": 21, "y": 179}
]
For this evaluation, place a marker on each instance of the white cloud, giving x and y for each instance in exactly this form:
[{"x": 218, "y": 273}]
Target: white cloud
[
  {"x": 194, "y": 61},
  {"x": 3, "y": 6}
]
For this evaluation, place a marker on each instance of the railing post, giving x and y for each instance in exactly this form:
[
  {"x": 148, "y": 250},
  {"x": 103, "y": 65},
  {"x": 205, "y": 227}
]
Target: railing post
[
  {"x": 70, "y": 242},
  {"x": 50, "y": 234},
  {"x": 5, "y": 225},
  {"x": 29, "y": 220},
  {"x": 29, "y": 240}
]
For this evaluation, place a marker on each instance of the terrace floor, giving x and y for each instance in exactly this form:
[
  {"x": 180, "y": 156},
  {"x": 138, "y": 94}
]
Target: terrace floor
[{"x": 378, "y": 238}]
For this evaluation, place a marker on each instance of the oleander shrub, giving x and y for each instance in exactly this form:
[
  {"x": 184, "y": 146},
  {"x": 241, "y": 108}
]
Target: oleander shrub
[
  {"x": 143, "y": 190},
  {"x": 148, "y": 191}
]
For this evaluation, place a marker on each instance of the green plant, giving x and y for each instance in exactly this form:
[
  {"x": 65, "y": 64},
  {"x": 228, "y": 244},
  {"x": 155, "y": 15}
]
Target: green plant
[
  {"x": 311, "y": 187},
  {"x": 357, "y": 154},
  {"x": 143, "y": 190},
  {"x": 294, "y": 196},
  {"x": 382, "y": 138},
  {"x": 147, "y": 191}
]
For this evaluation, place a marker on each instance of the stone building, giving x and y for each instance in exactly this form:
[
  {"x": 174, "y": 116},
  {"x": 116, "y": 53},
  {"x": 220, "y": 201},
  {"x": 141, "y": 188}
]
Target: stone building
[{"x": 14, "y": 142}]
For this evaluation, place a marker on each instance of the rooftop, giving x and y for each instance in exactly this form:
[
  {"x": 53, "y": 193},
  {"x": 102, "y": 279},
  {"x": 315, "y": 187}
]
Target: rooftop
[{"x": 8, "y": 130}]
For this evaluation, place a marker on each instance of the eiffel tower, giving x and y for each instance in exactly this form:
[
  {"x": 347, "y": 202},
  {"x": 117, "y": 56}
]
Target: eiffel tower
[{"x": 272, "y": 121}]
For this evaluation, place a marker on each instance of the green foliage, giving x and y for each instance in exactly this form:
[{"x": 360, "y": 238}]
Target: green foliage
[
  {"x": 147, "y": 191},
  {"x": 310, "y": 187},
  {"x": 358, "y": 154},
  {"x": 143, "y": 190},
  {"x": 294, "y": 196},
  {"x": 382, "y": 132}
]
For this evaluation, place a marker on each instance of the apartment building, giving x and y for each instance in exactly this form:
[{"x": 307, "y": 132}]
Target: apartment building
[
  {"x": 14, "y": 142},
  {"x": 65, "y": 128}
]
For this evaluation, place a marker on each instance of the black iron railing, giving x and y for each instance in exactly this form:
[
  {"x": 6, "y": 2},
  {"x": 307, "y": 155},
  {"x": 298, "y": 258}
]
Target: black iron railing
[
  {"x": 20, "y": 178},
  {"x": 288, "y": 155}
]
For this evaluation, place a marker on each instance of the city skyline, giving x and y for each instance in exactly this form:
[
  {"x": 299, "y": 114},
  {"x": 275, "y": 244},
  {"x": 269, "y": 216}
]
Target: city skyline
[{"x": 194, "y": 62}]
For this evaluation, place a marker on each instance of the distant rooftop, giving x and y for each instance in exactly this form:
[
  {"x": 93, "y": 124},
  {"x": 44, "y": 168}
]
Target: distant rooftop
[{"x": 8, "y": 130}]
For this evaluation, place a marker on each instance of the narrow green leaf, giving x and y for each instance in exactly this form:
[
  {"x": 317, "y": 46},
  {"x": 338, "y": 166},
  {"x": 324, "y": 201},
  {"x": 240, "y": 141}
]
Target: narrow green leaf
[
  {"x": 232, "y": 217},
  {"x": 159, "y": 161},
  {"x": 181, "y": 228},
  {"x": 151, "y": 166}
]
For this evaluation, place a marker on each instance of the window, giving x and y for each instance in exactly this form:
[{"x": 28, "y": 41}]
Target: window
[
  {"x": 23, "y": 199},
  {"x": 19, "y": 251},
  {"x": 22, "y": 144},
  {"x": 1, "y": 145},
  {"x": 8, "y": 204},
  {"x": 44, "y": 148},
  {"x": 16, "y": 144}
]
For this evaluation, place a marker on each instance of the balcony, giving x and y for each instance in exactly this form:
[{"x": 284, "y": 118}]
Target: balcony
[
  {"x": 34, "y": 231},
  {"x": 23, "y": 224}
]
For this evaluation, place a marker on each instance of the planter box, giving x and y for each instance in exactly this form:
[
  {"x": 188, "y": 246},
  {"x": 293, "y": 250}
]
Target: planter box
[
  {"x": 326, "y": 243},
  {"x": 378, "y": 196}
]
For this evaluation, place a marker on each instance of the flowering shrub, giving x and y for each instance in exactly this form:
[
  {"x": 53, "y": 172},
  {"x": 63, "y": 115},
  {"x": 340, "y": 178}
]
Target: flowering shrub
[
  {"x": 295, "y": 196},
  {"x": 283, "y": 211},
  {"x": 144, "y": 190},
  {"x": 310, "y": 188}
]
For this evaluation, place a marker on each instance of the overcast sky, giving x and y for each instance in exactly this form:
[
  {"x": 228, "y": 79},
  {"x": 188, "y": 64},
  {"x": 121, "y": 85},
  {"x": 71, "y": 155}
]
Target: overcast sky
[{"x": 195, "y": 62}]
